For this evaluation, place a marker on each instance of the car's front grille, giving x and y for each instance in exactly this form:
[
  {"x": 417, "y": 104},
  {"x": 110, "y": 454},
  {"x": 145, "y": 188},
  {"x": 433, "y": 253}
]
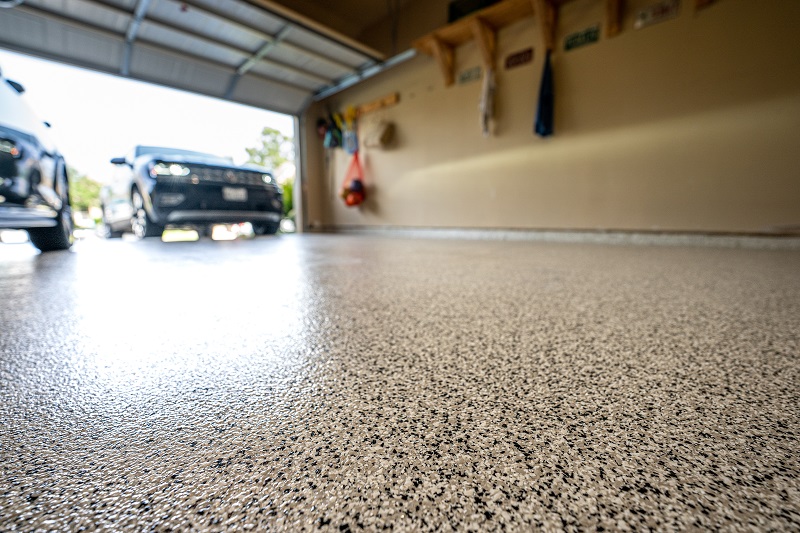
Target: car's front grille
[
  {"x": 225, "y": 175},
  {"x": 205, "y": 174}
]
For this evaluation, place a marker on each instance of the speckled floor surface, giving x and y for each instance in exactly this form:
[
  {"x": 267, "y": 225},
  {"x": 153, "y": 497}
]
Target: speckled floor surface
[{"x": 341, "y": 383}]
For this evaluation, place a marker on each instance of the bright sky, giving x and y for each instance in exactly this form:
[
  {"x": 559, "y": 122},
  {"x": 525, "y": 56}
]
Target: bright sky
[{"x": 96, "y": 116}]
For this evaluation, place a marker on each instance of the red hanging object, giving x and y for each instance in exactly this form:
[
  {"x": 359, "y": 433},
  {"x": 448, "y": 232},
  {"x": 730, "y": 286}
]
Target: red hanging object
[{"x": 353, "y": 191}]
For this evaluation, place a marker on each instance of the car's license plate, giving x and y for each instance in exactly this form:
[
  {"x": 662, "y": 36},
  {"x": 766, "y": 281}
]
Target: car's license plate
[{"x": 234, "y": 194}]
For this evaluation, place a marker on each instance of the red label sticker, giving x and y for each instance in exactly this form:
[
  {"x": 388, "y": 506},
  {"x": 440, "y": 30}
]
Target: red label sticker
[{"x": 518, "y": 59}]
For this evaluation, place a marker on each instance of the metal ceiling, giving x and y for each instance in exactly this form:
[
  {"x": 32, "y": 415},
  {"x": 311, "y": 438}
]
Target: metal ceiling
[{"x": 240, "y": 50}]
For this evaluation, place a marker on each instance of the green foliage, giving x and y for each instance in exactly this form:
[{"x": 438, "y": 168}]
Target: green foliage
[
  {"x": 273, "y": 150},
  {"x": 288, "y": 198},
  {"x": 84, "y": 192}
]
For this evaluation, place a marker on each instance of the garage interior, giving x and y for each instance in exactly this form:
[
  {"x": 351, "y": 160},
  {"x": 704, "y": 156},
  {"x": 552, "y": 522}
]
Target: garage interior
[{"x": 592, "y": 330}]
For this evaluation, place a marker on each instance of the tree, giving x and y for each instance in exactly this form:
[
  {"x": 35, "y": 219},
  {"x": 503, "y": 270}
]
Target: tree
[
  {"x": 273, "y": 150},
  {"x": 84, "y": 192},
  {"x": 288, "y": 198}
]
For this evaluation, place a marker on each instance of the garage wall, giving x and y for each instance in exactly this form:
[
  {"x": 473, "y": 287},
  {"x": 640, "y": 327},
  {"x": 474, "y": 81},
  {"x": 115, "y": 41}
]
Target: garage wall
[{"x": 689, "y": 125}]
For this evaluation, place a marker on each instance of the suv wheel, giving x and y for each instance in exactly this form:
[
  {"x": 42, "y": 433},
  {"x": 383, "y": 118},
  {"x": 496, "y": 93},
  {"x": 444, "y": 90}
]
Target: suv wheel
[
  {"x": 143, "y": 226},
  {"x": 265, "y": 228}
]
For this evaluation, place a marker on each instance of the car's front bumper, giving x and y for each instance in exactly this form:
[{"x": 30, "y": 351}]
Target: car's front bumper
[
  {"x": 206, "y": 203},
  {"x": 187, "y": 217},
  {"x": 17, "y": 217}
]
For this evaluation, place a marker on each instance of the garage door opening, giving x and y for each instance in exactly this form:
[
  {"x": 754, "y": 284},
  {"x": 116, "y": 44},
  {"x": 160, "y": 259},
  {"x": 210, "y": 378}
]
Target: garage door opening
[{"x": 95, "y": 118}]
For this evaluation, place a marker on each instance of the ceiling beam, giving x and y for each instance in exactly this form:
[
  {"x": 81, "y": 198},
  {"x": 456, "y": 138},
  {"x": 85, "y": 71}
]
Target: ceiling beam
[
  {"x": 130, "y": 36},
  {"x": 362, "y": 74},
  {"x": 251, "y": 61},
  {"x": 296, "y": 19},
  {"x": 165, "y": 25},
  {"x": 57, "y": 17},
  {"x": 264, "y": 50},
  {"x": 267, "y": 37}
]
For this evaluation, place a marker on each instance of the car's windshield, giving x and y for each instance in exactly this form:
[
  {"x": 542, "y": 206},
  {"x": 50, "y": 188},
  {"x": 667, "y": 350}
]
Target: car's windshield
[{"x": 166, "y": 152}]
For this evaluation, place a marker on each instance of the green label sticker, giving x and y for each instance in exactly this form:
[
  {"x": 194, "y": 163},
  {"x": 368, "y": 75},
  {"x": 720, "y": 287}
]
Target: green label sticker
[
  {"x": 582, "y": 38},
  {"x": 469, "y": 75}
]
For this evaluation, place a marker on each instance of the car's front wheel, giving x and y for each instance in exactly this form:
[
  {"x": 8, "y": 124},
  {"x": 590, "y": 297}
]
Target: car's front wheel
[
  {"x": 265, "y": 228},
  {"x": 206, "y": 230},
  {"x": 59, "y": 237},
  {"x": 143, "y": 226}
]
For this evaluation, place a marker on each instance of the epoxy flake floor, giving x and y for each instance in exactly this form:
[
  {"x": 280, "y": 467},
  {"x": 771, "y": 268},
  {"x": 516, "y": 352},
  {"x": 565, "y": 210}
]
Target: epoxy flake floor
[{"x": 347, "y": 382}]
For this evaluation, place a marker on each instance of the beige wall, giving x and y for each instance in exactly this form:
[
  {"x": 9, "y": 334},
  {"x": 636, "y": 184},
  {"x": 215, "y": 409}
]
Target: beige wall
[{"x": 689, "y": 125}]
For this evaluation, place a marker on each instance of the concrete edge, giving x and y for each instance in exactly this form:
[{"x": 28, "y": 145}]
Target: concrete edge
[{"x": 759, "y": 242}]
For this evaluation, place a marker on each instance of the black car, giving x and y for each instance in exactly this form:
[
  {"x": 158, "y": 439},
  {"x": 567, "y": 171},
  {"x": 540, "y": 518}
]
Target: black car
[
  {"x": 34, "y": 189},
  {"x": 155, "y": 186}
]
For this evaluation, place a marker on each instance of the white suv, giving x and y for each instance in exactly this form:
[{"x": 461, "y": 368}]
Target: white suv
[{"x": 34, "y": 190}]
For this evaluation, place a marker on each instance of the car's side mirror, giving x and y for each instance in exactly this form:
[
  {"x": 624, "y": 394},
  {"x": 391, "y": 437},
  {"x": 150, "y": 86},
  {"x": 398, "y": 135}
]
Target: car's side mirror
[
  {"x": 16, "y": 86},
  {"x": 119, "y": 161}
]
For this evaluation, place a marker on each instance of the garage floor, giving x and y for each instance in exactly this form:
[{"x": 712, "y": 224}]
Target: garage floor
[{"x": 348, "y": 382}]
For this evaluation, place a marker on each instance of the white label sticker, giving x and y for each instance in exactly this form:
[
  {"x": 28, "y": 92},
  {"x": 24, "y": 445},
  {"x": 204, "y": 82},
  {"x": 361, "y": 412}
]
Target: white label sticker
[{"x": 658, "y": 12}]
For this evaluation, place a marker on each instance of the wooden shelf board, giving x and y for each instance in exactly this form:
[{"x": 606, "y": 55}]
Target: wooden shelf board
[
  {"x": 613, "y": 17},
  {"x": 459, "y": 32},
  {"x": 482, "y": 26}
]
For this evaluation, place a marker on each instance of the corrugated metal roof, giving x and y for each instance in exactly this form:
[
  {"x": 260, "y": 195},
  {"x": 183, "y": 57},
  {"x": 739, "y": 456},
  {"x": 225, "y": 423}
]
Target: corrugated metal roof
[{"x": 239, "y": 50}]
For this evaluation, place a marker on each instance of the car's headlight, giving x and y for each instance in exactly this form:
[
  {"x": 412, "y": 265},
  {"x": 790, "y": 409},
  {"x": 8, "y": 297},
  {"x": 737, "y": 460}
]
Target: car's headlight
[
  {"x": 8, "y": 147},
  {"x": 266, "y": 178},
  {"x": 169, "y": 169}
]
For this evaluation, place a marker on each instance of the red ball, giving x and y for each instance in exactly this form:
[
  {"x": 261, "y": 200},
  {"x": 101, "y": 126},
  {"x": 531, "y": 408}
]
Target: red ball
[{"x": 354, "y": 198}]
